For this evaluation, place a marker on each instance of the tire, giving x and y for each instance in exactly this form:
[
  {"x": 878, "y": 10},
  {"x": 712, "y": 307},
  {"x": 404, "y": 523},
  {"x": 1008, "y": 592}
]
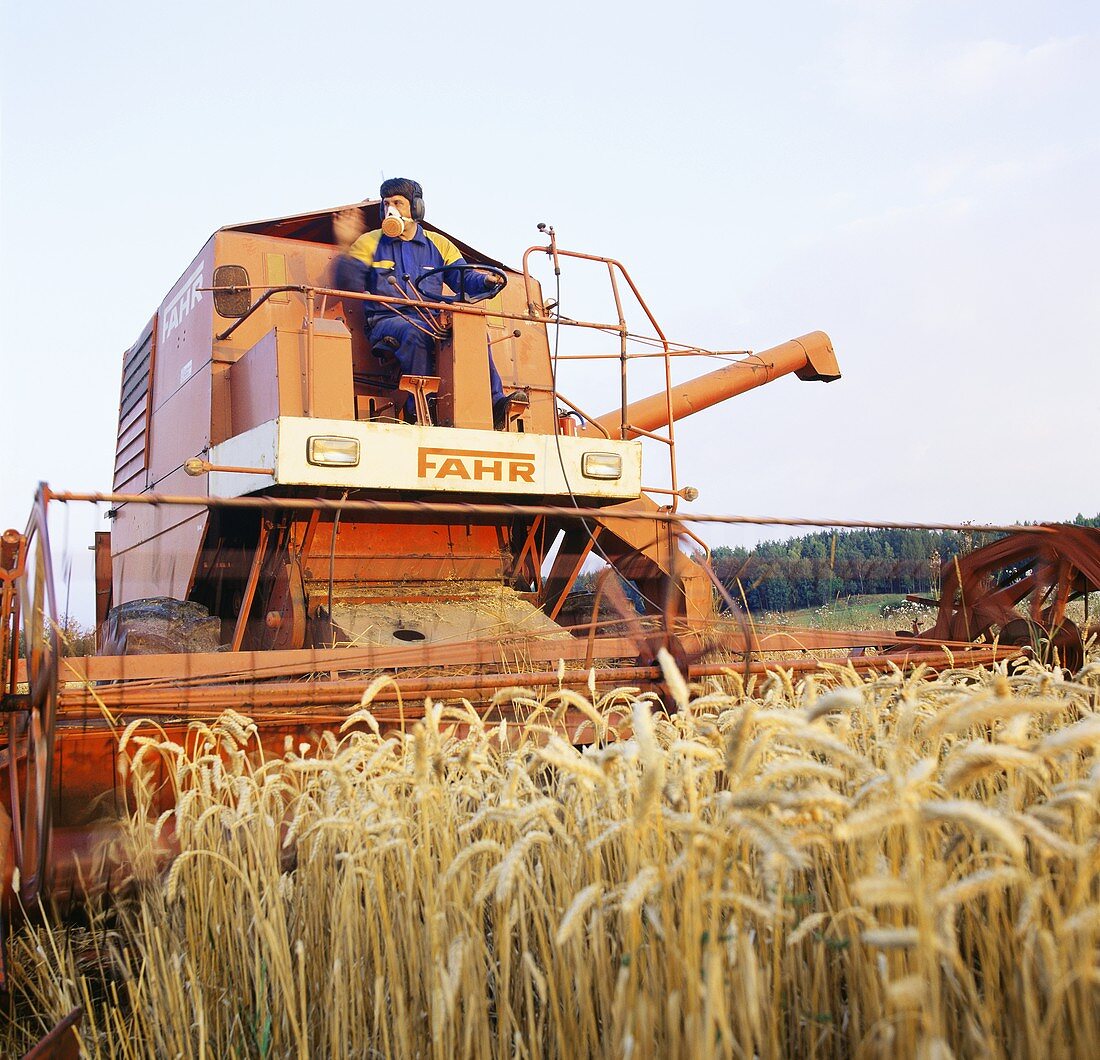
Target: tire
[{"x": 159, "y": 626}]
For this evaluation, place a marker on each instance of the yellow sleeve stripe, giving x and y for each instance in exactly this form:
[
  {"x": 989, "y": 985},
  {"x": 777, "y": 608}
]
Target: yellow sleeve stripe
[
  {"x": 364, "y": 247},
  {"x": 380, "y": 264},
  {"x": 445, "y": 247}
]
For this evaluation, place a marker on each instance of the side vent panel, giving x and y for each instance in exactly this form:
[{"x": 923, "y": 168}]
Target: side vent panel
[{"x": 132, "y": 450}]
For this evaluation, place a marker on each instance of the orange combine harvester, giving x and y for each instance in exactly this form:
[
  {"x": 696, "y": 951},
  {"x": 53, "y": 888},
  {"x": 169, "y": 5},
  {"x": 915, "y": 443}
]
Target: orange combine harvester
[
  {"x": 280, "y": 533},
  {"x": 269, "y": 388}
]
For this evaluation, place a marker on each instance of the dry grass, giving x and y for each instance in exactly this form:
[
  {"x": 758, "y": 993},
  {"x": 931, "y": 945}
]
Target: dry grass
[{"x": 891, "y": 867}]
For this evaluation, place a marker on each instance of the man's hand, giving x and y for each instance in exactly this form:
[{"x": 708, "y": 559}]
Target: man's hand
[
  {"x": 348, "y": 226},
  {"x": 490, "y": 280}
]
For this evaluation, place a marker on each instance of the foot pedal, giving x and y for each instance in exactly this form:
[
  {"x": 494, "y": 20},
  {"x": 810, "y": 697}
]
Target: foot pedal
[
  {"x": 420, "y": 386},
  {"x": 503, "y": 407}
]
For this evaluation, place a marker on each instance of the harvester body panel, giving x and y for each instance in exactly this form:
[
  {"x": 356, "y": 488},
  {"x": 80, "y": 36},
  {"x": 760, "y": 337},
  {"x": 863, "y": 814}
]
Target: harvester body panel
[{"x": 406, "y": 457}]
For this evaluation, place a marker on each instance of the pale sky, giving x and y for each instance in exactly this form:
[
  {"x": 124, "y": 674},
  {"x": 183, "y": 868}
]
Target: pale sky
[{"x": 918, "y": 179}]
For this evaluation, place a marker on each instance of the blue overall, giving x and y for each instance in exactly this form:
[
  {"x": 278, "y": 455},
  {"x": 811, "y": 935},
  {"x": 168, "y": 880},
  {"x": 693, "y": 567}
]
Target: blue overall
[{"x": 377, "y": 264}]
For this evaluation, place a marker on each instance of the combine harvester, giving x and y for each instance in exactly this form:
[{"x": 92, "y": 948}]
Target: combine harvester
[{"x": 279, "y": 535}]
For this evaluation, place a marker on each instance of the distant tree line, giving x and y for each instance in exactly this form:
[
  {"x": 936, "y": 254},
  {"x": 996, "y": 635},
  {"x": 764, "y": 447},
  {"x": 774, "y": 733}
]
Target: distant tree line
[
  {"x": 816, "y": 568},
  {"x": 74, "y": 638}
]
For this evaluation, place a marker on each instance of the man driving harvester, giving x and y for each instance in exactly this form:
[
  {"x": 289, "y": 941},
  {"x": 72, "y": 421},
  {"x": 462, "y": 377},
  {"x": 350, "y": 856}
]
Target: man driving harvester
[{"x": 389, "y": 261}]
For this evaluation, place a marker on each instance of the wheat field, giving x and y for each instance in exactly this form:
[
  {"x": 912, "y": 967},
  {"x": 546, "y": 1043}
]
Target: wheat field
[{"x": 901, "y": 865}]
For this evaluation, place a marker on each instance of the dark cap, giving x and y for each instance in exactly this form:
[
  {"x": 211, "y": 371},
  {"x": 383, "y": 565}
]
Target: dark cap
[{"x": 401, "y": 186}]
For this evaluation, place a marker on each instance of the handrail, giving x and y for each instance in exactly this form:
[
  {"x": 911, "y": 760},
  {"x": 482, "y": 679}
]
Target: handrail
[
  {"x": 615, "y": 269},
  {"x": 685, "y": 531},
  {"x": 725, "y": 354},
  {"x": 462, "y": 308},
  {"x": 613, "y": 264},
  {"x": 650, "y": 434}
]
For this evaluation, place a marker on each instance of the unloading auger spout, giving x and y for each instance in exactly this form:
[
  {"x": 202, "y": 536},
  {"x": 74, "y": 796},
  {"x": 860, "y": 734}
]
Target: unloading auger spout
[{"x": 810, "y": 357}]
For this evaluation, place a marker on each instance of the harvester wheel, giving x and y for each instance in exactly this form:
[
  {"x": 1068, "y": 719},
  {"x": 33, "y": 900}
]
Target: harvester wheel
[
  {"x": 1018, "y": 588},
  {"x": 159, "y": 626},
  {"x": 1063, "y": 644},
  {"x": 31, "y": 731}
]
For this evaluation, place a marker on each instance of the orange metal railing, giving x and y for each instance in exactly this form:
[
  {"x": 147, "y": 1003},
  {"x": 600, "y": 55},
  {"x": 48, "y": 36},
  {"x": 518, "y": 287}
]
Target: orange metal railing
[{"x": 623, "y": 422}]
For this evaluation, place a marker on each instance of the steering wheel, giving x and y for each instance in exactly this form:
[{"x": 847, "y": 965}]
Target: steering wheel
[{"x": 497, "y": 277}]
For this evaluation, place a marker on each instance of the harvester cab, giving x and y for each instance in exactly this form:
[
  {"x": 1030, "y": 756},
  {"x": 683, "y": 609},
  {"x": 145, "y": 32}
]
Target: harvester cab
[{"x": 254, "y": 385}]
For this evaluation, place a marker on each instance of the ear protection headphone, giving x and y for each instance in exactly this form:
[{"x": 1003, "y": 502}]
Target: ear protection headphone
[{"x": 410, "y": 189}]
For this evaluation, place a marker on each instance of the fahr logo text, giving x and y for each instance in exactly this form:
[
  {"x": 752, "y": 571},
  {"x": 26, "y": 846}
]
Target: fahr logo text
[
  {"x": 175, "y": 311},
  {"x": 475, "y": 465}
]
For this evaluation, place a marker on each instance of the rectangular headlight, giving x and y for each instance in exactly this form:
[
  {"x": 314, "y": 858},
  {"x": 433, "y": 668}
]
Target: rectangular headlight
[
  {"x": 602, "y": 465},
  {"x": 326, "y": 450}
]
